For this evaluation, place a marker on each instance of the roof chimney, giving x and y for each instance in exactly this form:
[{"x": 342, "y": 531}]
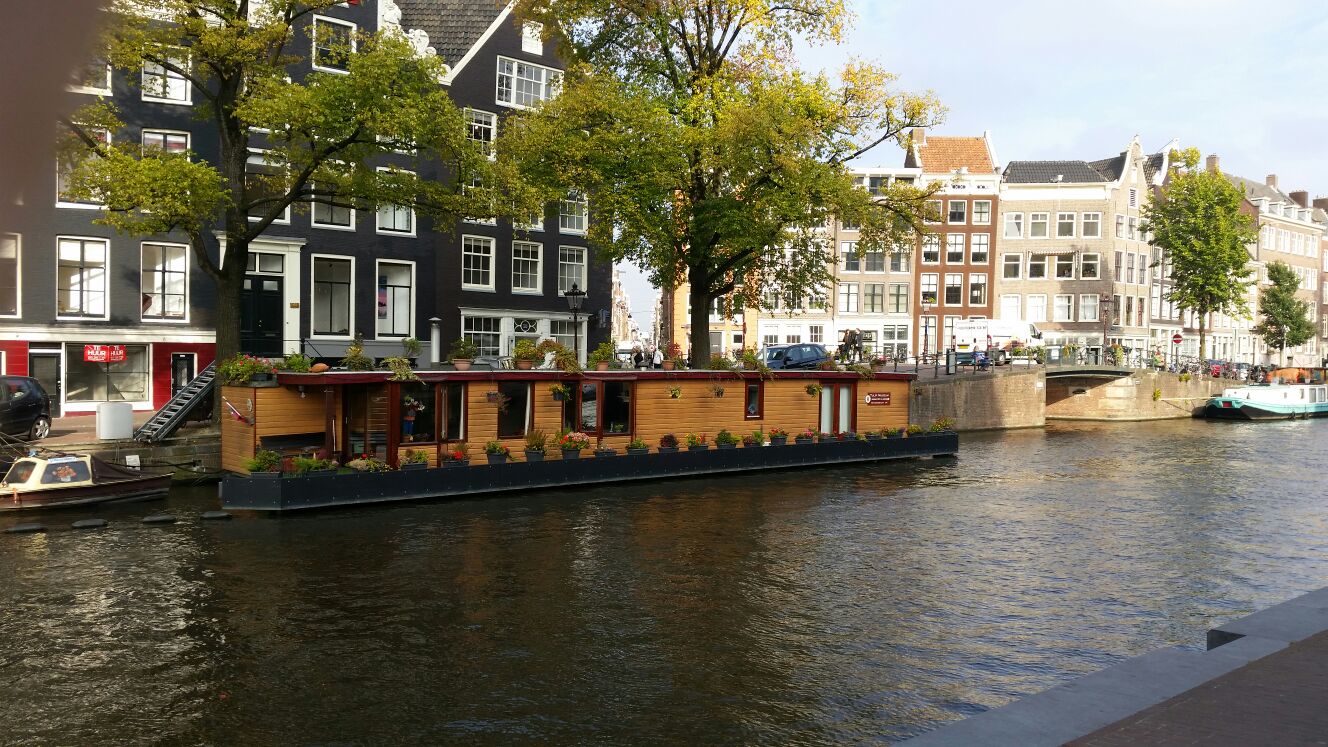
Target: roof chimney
[
  {"x": 1271, "y": 180},
  {"x": 1214, "y": 164},
  {"x": 1301, "y": 198},
  {"x": 919, "y": 136},
  {"x": 1321, "y": 203}
]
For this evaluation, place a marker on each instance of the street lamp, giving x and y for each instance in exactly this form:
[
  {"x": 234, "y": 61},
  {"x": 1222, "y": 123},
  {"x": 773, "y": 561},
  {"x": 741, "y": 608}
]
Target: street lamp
[
  {"x": 575, "y": 297},
  {"x": 1106, "y": 304},
  {"x": 926, "y": 325}
]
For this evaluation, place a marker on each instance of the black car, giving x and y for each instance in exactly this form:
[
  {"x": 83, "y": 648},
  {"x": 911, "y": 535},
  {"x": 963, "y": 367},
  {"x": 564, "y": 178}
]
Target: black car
[
  {"x": 800, "y": 355},
  {"x": 25, "y": 409}
]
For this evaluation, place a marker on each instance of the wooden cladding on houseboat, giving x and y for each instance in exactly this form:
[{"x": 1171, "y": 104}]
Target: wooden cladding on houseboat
[{"x": 371, "y": 415}]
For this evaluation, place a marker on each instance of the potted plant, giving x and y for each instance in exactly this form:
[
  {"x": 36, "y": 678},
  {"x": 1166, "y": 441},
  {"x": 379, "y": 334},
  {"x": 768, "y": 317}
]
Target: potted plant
[
  {"x": 462, "y": 354},
  {"x": 246, "y": 370},
  {"x": 879, "y": 364},
  {"x": 822, "y": 437},
  {"x": 536, "y": 445},
  {"x": 355, "y": 359},
  {"x": 675, "y": 392},
  {"x": 295, "y": 363},
  {"x": 265, "y": 465},
  {"x": 913, "y": 430},
  {"x": 891, "y": 432},
  {"x": 559, "y": 391},
  {"x": 400, "y": 368},
  {"x": 943, "y": 425},
  {"x": 410, "y": 347},
  {"x": 717, "y": 390},
  {"x": 601, "y": 450},
  {"x": 805, "y": 437},
  {"x": 720, "y": 362},
  {"x": 755, "y": 438},
  {"x": 673, "y": 357},
  {"x": 726, "y": 440},
  {"x": 459, "y": 456},
  {"x": 697, "y": 443},
  {"x": 668, "y": 444},
  {"x": 873, "y": 435},
  {"x": 496, "y": 452},
  {"x": 367, "y": 463},
  {"x": 601, "y": 356},
  {"x": 637, "y": 447},
  {"x": 414, "y": 460},
  {"x": 572, "y": 443},
  {"x": 813, "y": 389},
  {"x": 310, "y": 466},
  {"x": 778, "y": 437},
  {"x": 525, "y": 353}
]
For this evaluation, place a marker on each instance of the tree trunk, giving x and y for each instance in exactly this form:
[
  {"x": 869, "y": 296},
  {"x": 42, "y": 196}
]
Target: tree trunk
[
  {"x": 1203, "y": 340},
  {"x": 698, "y": 301}
]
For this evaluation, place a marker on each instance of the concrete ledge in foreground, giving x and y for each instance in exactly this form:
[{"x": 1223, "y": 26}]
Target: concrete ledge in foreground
[{"x": 1098, "y": 700}]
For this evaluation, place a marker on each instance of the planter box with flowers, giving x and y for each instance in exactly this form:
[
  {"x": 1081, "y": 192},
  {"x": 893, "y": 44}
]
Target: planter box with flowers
[
  {"x": 805, "y": 437},
  {"x": 668, "y": 443},
  {"x": 265, "y": 465},
  {"x": 696, "y": 443},
  {"x": 753, "y": 439},
  {"x": 726, "y": 440},
  {"x": 413, "y": 460},
  {"x": 462, "y": 354},
  {"x": 496, "y": 453},
  {"x": 778, "y": 437},
  {"x": 246, "y": 370},
  {"x": 536, "y": 445},
  {"x": 637, "y": 447},
  {"x": 573, "y": 443},
  {"x": 458, "y": 456}
]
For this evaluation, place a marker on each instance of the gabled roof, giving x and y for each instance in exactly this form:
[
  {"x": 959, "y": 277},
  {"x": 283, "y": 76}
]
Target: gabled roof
[
  {"x": 1050, "y": 172},
  {"x": 1254, "y": 190},
  {"x": 454, "y": 26},
  {"x": 1154, "y": 164},
  {"x": 938, "y": 154},
  {"x": 1110, "y": 168}
]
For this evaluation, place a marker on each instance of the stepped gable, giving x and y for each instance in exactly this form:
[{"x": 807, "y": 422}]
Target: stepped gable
[{"x": 454, "y": 26}]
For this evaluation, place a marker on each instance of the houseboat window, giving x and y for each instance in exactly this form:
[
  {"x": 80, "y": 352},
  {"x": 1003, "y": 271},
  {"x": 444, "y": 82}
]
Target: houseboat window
[
  {"x": 836, "y": 408},
  {"x": 454, "y": 418},
  {"x": 569, "y": 407},
  {"x": 111, "y": 373},
  {"x": 58, "y": 472},
  {"x": 752, "y": 402},
  {"x": 845, "y": 409},
  {"x": 589, "y": 408},
  {"x": 366, "y": 415},
  {"x": 20, "y": 472},
  {"x": 417, "y": 408},
  {"x": 617, "y": 406},
  {"x": 513, "y": 408},
  {"x": 827, "y": 420}
]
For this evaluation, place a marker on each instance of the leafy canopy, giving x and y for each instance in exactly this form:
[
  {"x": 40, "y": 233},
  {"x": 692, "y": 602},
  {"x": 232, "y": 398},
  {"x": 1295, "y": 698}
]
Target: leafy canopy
[
  {"x": 1197, "y": 221},
  {"x": 708, "y": 156},
  {"x": 1284, "y": 319}
]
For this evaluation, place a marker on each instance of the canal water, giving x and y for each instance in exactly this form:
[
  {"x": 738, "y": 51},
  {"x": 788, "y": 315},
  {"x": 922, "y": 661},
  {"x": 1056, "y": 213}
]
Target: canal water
[{"x": 847, "y": 605}]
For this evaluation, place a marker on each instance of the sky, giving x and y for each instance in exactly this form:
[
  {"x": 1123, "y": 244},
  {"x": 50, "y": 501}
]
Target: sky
[{"x": 1068, "y": 79}]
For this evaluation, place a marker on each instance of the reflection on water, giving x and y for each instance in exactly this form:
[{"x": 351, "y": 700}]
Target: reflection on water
[{"x": 844, "y": 605}]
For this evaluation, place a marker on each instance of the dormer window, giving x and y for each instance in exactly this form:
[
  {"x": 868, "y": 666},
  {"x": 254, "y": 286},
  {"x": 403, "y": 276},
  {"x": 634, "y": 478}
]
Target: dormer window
[{"x": 532, "y": 38}]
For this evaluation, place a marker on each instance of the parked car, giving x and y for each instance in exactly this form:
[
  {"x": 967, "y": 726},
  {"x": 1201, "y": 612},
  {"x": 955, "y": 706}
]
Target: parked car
[
  {"x": 794, "y": 356},
  {"x": 25, "y": 408}
]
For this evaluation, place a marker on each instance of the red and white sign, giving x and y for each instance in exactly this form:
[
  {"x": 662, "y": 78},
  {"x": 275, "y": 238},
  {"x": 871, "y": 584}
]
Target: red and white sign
[
  {"x": 104, "y": 353},
  {"x": 1176, "y": 339},
  {"x": 877, "y": 398}
]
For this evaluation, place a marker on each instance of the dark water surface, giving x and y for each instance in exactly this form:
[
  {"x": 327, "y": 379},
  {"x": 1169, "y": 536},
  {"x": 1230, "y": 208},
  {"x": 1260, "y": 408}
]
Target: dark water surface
[{"x": 856, "y": 605}]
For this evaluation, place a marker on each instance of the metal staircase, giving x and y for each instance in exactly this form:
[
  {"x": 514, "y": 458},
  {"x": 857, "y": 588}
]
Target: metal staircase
[{"x": 164, "y": 421}]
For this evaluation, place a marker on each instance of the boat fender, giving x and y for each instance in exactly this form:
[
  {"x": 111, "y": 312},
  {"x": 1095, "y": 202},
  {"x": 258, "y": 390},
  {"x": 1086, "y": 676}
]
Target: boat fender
[
  {"x": 26, "y": 528},
  {"x": 159, "y": 519},
  {"x": 89, "y": 524},
  {"x": 216, "y": 515}
]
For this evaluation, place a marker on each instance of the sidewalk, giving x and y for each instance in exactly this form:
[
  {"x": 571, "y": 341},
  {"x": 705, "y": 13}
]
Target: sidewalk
[{"x": 75, "y": 430}]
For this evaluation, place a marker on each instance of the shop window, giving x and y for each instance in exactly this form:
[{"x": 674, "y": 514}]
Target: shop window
[
  {"x": 418, "y": 408},
  {"x": 120, "y": 381},
  {"x": 752, "y": 401},
  {"x": 617, "y": 406},
  {"x": 514, "y": 408}
]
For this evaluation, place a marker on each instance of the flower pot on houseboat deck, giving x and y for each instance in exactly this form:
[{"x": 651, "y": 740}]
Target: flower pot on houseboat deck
[
  {"x": 534, "y": 456},
  {"x": 525, "y": 365},
  {"x": 571, "y": 453},
  {"x": 637, "y": 452},
  {"x": 668, "y": 449},
  {"x": 778, "y": 440},
  {"x": 496, "y": 458},
  {"x": 462, "y": 364},
  {"x": 699, "y": 447},
  {"x": 602, "y": 366}
]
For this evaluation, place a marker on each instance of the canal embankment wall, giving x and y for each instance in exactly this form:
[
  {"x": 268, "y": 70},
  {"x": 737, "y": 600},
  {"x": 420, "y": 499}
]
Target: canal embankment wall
[
  {"x": 1009, "y": 397},
  {"x": 191, "y": 457},
  {"x": 1143, "y": 395}
]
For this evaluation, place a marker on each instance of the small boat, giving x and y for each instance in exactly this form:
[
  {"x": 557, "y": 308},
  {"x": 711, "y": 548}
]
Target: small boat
[
  {"x": 75, "y": 480},
  {"x": 1269, "y": 402}
]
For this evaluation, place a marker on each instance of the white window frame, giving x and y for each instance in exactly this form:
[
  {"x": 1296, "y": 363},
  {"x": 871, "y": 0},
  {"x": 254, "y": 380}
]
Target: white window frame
[
  {"x": 532, "y": 38},
  {"x": 950, "y": 246},
  {"x": 1018, "y": 267},
  {"x": 142, "y": 314},
  {"x": 934, "y": 238},
  {"x": 414, "y": 298},
  {"x": 106, "y": 269},
  {"x": 1074, "y": 225},
  {"x": 949, "y": 211},
  {"x": 978, "y": 279},
  {"x": 973, "y": 245},
  {"x": 975, "y": 220},
  {"x": 538, "y": 290},
  {"x": 1018, "y": 306},
  {"x": 472, "y": 114},
  {"x": 313, "y": 297},
  {"x": 18, "y": 275},
  {"x": 94, "y": 90},
  {"x": 940, "y": 214},
  {"x": 1096, "y": 263},
  {"x": 477, "y": 240},
  {"x": 552, "y": 82},
  {"x": 81, "y": 205},
  {"x": 1046, "y": 222},
  {"x": 1056, "y": 308},
  {"x": 1012, "y": 218},
  {"x": 1084, "y": 308},
  {"x": 285, "y": 218},
  {"x": 378, "y": 223},
  {"x": 313, "y": 42},
  {"x": 143, "y": 148},
  {"x": 186, "y": 63},
  {"x": 1094, "y": 219},
  {"x": 585, "y": 267},
  {"x": 314, "y": 222},
  {"x": 946, "y": 285},
  {"x": 575, "y": 198},
  {"x": 848, "y": 298},
  {"x": 1042, "y": 297}
]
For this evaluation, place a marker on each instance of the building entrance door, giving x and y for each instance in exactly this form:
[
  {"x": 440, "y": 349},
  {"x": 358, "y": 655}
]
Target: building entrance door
[
  {"x": 261, "y": 315},
  {"x": 45, "y": 368},
  {"x": 182, "y": 371}
]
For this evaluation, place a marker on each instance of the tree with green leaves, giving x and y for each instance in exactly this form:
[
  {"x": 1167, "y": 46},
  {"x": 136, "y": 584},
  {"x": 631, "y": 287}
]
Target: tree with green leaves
[
  {"x": 365, "y": 137},
  {"x": 708, "y": 157},
  {"x": 1284, "y": 320},
  {"x": 1197, "y": 220}
]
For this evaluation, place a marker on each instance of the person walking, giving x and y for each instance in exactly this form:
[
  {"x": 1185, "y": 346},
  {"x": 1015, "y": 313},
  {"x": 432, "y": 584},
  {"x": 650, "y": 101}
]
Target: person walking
[{"x": 657, "y": 360}]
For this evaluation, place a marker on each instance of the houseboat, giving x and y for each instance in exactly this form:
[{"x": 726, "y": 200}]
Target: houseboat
[
  {"x": 1293, "y": 393},
  {"x": 416, "y": 434}
]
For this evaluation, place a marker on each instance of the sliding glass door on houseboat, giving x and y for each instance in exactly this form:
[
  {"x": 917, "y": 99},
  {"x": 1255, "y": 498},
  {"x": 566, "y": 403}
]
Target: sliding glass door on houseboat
[{"x": 836, "y": 414}]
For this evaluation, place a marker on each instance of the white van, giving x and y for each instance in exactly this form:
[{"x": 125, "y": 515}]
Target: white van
[{"x": 992, "y": 335}]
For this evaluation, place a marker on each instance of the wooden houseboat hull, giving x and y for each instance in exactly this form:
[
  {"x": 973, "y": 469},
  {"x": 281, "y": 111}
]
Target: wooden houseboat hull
[{"x": 126, "y": 491}]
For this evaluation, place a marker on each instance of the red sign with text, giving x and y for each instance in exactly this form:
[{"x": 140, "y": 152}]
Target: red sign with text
[
  {"x": 878, "y": 398},
  {"x": 104, "y": 353}
]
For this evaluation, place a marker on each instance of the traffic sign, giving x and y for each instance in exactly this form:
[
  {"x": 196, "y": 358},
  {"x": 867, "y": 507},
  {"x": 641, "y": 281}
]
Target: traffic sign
[{"x": 1176, "y": 339}]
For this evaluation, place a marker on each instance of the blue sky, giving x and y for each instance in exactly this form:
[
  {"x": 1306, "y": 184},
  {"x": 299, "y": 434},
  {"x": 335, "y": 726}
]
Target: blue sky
[{"x": 1076, "y": 80}]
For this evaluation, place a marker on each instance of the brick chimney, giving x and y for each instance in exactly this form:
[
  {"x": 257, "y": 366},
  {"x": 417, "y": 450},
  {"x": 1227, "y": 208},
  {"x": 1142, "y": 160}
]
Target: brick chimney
[
  {"x": 1301, "y": 198},
  {"x": 1213, "y": 164},
  {"x": 1321, "y": 203},
  {"x": 919, "y": 136},
  {"x": 1271, "y": 180}
]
